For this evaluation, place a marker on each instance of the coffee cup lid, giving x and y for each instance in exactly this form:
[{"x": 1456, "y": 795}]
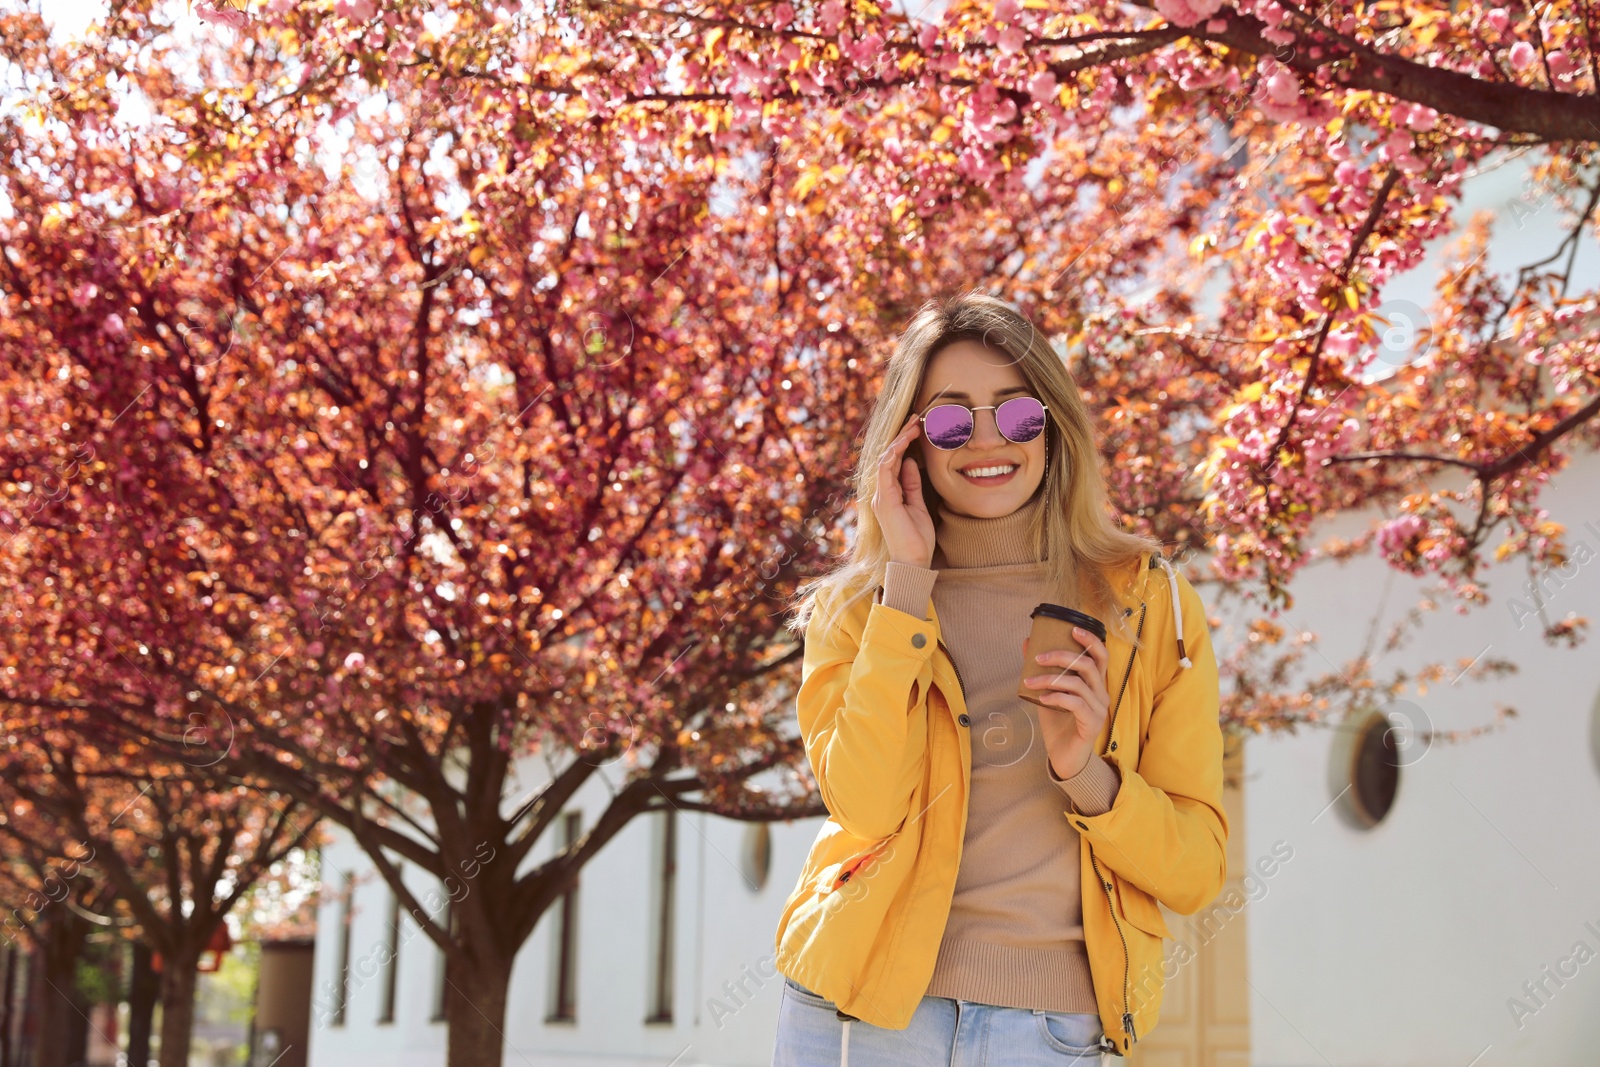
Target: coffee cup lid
[{"x": 1072, "y": 615}]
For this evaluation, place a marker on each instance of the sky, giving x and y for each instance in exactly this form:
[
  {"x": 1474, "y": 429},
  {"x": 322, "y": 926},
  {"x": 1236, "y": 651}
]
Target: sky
[{"x": 69, "y": 17}]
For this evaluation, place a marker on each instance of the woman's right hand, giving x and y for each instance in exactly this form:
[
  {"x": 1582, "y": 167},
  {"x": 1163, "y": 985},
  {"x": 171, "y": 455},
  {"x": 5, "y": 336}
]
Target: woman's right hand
[{"x": 898, "y": 505}]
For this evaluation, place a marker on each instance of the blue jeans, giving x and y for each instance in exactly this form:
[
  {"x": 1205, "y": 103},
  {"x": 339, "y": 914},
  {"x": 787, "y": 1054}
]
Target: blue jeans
[{"x": 942, "y": 1033}]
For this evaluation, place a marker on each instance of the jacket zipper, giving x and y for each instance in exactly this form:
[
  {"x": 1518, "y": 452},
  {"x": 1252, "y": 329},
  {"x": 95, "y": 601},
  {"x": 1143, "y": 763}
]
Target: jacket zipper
[
  {"x": 1127, "y": 1014},
  {"x": 953, "y": 666}
]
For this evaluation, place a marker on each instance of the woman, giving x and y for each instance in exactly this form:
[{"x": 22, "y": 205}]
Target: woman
[{"x": 984, "y": 890}]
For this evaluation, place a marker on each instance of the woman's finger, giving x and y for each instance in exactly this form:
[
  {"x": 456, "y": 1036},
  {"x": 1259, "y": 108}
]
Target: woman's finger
[
  {"x": 1094, "y": 646},
  {"x": 910, "y": 480},
  {"x": 889, "y": 463},
  {"x": 1092, "y": 674},
  {"x": 1066, "y": 702},
  {"x": 1064, "y": 682}
]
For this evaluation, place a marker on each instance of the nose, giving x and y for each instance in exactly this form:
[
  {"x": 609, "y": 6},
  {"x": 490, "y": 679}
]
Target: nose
[{"x": 986, "y": 433}]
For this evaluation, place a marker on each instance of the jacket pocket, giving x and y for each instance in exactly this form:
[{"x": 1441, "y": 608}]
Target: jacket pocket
[
  {"x": 836, "y": 875},
  {"x": 1141, "y": 909}
]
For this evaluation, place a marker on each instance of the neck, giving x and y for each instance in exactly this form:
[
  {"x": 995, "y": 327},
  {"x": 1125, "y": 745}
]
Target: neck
[{"x": 965, "y": 541}]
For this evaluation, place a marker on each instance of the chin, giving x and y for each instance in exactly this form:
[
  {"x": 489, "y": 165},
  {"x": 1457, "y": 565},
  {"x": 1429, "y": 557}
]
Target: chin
[{"x": 990, "y": 504}]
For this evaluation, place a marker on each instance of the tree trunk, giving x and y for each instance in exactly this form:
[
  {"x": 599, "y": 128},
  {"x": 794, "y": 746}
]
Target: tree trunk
[
  {"x": 78, "y": 1031},
  {"x": 8, "y": 1001},
  {"x": 57, "y": 998},
  {"x": 475, "y": 1011},
  {"x": 144, "y": 989},
  {"x": 179, "y": 980}
]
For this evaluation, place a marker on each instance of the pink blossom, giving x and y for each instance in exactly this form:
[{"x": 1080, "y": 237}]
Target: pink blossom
[
  {"x": 1396, "y": 536},
  {"x": 928, "y": 36},
  {"x": 1187, "y": 12},
  {"x": 782, "y": 15},
  {"x": 1283, "y": 88},
  {"x": 978, "y": 166},
  {"x": 354, "y": 661},
  {"x": 1561, "y": 63},
  {"x": 1522, "y": 55},
  {"x": 831, "y": 15},
  {"x": 1043, "y": 87},
  {"x": 1398, "y": 144},
  {"x": 356, "y": 10},
  {"x": 864, "y": 51},
  {"x": 1340, "y": 343},
  {"x": 114, "y": 326},
  {"x": 221, "y": 17},
  {"x": 1422, "y": 118},
  {"x": 1011, "y": 40},
  {"x": 1006, "y": 10},
  {"x": 1319, "y": 447},
  {"x": 1498, "y": 19},
  {"x": 746, "y": 108}
]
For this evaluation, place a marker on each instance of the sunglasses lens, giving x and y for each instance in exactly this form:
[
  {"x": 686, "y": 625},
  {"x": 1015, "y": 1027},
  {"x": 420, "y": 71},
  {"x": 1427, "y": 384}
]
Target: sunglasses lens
[
  {"x": 1020, "y": 419},
  {"x": 948, "y": 426}
]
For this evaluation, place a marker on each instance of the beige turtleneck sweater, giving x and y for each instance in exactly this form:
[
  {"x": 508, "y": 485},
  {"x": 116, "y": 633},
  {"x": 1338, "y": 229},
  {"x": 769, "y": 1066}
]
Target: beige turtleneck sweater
[{"x": 1014, "y": 936}]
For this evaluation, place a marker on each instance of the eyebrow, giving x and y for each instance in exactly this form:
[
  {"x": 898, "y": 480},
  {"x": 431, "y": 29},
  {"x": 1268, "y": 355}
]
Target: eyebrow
[{"x": 956, "y": 394}]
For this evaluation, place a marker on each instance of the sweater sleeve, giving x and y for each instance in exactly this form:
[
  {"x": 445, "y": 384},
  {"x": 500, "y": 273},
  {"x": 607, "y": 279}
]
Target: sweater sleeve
[
  {"x": 1092, "y": 790},
  {"x": 907, "y": 588}
]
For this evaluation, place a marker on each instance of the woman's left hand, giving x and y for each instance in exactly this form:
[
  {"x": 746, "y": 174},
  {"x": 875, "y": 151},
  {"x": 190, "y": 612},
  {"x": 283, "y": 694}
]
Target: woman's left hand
[{"x": 1077, "y": 687}]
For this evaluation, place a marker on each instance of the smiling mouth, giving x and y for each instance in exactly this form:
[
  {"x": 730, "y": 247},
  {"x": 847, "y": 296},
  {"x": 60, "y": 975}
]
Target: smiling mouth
[{"x": 990, "y": 473}]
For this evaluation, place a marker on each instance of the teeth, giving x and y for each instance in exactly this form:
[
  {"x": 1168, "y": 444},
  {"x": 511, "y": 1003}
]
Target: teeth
[{"x": 989, "y": 472}]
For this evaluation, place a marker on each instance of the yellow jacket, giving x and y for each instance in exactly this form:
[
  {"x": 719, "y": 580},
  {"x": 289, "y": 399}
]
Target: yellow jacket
[{"x": 863, "y": 925}]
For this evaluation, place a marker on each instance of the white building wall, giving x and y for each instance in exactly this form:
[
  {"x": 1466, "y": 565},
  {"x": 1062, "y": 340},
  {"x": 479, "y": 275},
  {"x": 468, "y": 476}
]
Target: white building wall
[{"x": 1405, "y": 944}]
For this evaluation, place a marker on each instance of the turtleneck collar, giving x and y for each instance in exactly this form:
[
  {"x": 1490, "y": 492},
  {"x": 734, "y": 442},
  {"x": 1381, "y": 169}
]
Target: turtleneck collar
[{"x": 964, "y": 541}]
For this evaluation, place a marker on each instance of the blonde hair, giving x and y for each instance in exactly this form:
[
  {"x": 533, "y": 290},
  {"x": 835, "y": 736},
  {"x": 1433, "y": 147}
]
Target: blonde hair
[{"x": 1083, "y": 543}]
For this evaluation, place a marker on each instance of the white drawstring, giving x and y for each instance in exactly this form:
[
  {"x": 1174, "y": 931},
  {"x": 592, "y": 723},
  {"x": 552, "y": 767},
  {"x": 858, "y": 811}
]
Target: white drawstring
[
  {"x": 844, "y": 1046},
  {"x": 1177, "y": 609}
]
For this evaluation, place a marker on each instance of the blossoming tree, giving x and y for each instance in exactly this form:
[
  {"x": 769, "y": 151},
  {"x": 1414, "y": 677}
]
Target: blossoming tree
[{"x": 436, "y": 384}]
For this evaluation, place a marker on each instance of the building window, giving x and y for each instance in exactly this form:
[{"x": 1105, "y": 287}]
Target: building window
[
  {"x": 441, "y": 970},
  {"x": 391, "y": 966},
  {"x": 1594, "y": 732},
  {"x": 755, "y": 858},
  {"x": 1371, "y": 769},
  {"x": 346, "y": 916},
  {"x": 666, "y": 867},
  {"x": 564, "y": 987}
]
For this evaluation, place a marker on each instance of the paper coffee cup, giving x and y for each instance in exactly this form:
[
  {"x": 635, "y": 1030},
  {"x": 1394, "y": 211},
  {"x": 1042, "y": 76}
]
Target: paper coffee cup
[{"x": 1052, "y": 629}]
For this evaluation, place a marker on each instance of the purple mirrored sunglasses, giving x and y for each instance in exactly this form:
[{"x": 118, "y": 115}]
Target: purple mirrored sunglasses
[{"x": 949, "y": 426}]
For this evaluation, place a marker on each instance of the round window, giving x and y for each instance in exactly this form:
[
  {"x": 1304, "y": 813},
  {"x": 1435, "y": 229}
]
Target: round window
[
  {"x": 1375, "y": 770},
  {"x": 756, "y": 855}
]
